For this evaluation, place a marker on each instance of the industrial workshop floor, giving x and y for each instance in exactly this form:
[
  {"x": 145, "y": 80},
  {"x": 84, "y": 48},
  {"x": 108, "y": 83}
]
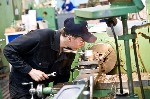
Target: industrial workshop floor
[{"x": 4, "y": 84}]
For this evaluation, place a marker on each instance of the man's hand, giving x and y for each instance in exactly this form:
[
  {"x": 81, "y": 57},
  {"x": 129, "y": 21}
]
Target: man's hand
[{"x": 38, "y": 75}]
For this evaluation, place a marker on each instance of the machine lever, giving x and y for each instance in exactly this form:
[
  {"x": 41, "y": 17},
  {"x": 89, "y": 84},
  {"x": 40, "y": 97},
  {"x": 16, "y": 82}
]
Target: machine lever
[
  {"x": 32, "y": 90},
  {"x": 30, "y": 83}
]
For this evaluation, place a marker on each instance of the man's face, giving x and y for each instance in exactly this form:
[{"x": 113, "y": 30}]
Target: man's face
[{"x": 76, "y": 43}]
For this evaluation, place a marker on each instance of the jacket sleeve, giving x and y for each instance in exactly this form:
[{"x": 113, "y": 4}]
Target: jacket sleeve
[{"x": 15, "y": 50}]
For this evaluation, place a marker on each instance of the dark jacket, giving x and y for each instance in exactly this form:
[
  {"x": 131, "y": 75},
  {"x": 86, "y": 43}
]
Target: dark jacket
[{"x": 38, "y": 49}]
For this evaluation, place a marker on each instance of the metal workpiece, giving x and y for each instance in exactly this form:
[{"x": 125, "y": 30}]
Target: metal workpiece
[{"x": 105, "y": 55}]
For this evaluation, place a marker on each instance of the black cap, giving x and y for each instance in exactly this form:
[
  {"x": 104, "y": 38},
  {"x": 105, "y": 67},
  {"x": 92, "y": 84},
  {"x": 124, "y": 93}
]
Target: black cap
[{"x": 80, "y": 30}]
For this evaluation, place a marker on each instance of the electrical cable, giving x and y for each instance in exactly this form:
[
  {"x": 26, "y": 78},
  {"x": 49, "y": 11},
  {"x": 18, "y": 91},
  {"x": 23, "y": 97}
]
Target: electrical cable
[
  {"x": 118, "y": 60},
  {"x": 137, "y": 66},
  {"x": 138, "y": 53}
]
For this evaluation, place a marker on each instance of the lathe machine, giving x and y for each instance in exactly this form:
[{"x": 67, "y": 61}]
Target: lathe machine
[{"x": 97, "y": 62}]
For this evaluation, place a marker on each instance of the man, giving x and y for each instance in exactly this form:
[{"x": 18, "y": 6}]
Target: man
[{"x": 40, "y": 52}]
